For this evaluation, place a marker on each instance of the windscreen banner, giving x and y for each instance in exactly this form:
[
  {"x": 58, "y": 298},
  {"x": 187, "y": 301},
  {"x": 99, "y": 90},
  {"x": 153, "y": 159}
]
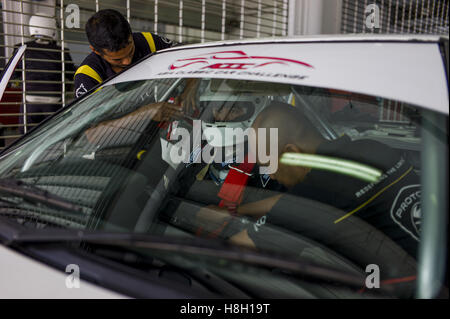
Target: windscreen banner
[{"x": 381, "y": 69}]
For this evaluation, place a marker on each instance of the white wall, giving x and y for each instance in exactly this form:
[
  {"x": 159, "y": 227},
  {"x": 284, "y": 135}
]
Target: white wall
[{"x": 310, "y": 17}]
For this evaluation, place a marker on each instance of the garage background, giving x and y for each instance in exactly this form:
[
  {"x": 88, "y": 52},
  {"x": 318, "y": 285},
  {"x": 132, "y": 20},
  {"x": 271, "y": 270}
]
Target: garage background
[{"x": 198, "y": 21}]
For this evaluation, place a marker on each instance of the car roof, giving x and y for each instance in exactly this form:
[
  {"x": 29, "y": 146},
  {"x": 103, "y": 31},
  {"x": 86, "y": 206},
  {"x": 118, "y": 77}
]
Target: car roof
[
  {"x": 364, "y": 72},
  {"x": 366, "y": 37}
]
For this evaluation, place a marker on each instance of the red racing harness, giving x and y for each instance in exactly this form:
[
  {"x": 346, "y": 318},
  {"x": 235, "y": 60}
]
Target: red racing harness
[{"x": 232, "y": 192}]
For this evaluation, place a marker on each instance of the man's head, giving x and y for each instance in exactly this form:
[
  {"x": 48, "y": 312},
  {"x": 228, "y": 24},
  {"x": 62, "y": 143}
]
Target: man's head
[
  {"x": 232, "y": 112},
  {"x": 222, "y": 119},
  {"x": 296, "y": 134},
  {"x": 110, "y": 36},
  {"x": 42, "y": 27}
]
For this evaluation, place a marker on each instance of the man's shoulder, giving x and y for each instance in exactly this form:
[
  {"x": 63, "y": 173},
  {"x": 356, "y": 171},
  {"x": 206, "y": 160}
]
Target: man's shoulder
[
  {"x": 89, "y": 74},
  {"x": 144, "y": 34},
  {"x": 367, "y": 150},
  {"x": 35, "y": 44},
  {"x": 139, "y": 38},
  {"x": 152, "y": 41},
  {"x": 94, "y": 62},
  {"x": 31, "y": 43}
]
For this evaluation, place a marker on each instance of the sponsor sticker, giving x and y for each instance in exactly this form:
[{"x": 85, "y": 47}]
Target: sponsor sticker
[{"x": 406, "y": 210}]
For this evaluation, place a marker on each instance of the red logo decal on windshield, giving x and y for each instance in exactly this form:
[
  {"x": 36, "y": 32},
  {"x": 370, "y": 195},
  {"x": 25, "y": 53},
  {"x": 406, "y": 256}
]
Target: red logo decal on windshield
[{"x": 210, "y": 61}]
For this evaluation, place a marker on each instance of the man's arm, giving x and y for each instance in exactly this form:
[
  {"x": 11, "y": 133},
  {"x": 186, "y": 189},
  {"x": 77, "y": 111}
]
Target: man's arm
[
  {"x": 160, "y": 111},
  {"x": 254, "y": 209},
  {"x": 259, "y": 208}
]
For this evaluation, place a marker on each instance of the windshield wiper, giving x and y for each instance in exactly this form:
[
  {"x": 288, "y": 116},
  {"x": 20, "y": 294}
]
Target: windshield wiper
[
  {"x": 35, "y": 195},
  {"x": 195, "y": 246}
]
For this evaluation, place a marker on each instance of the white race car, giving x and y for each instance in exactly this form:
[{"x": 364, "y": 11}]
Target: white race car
[{"x": 271, "y": 168}]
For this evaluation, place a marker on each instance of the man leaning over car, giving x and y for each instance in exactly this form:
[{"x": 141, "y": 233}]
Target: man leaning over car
[{"x": 114, "y": 47}]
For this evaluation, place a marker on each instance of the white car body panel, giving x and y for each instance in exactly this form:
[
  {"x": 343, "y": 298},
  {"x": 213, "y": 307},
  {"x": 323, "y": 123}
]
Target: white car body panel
[
  {"x": 9, "y": 71},
  {"x": 27, "y": 278},
  {"x": 366, "y": 37},
  {"x": 375, "y": 68}
]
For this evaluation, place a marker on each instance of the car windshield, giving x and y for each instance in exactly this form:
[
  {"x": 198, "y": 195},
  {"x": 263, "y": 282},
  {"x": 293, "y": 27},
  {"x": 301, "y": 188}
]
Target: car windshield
[{"x": 325, "y": 175}]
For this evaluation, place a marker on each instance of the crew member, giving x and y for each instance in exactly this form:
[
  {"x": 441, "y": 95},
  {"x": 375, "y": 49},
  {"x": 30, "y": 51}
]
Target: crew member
[
  {"x": 43, "y": 87},
  {"x": 391, "y": 205},
  {"x": 114, "y": 47}
]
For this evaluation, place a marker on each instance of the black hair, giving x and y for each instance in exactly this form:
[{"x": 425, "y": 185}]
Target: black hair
[{"x": 108, "y": 29}]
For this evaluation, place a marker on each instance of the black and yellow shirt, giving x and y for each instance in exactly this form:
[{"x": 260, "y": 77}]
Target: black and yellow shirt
[{"x": 94, "y": 70}]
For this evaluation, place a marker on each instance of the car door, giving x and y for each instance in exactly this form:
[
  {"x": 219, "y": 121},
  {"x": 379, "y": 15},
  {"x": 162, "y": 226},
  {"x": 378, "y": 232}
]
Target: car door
[
  {"x": 10, "y": 67},
  {"x": 15, "y": 97}
]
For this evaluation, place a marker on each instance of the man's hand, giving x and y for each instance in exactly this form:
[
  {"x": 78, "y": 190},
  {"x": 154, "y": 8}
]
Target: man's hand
[
  {"x": 212, "y": 217},
  {"x": 259, "y": 208},
  {"x": 162, "y": 111},
  {"x": 242, "y": 239},
  {"x": 187, "y": 99}
]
